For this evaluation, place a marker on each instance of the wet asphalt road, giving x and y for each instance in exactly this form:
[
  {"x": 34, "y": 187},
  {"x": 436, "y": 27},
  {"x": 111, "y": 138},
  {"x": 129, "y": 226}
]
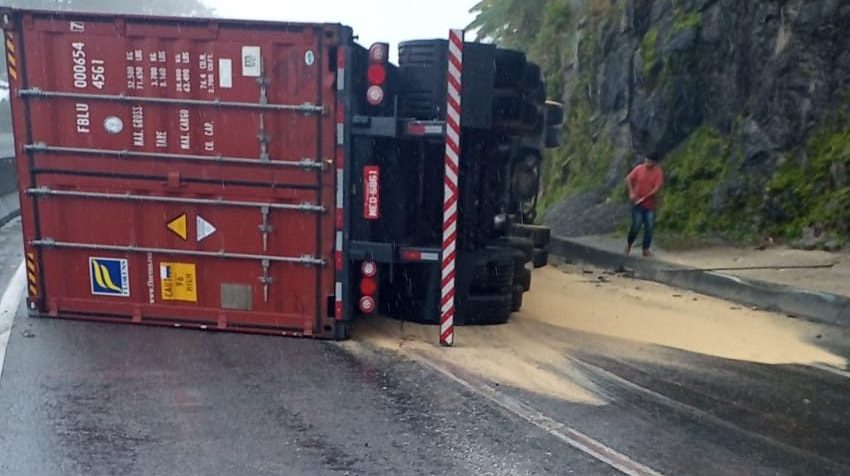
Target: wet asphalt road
[
  {"x": 93, "y": 399},
  {"x": 82, "y": 398},
  {"x": 686, "y": 413}
]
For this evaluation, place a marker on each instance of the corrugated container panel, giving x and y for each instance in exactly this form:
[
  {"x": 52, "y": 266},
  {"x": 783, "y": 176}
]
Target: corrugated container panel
[{"x": 178, "y": 171}]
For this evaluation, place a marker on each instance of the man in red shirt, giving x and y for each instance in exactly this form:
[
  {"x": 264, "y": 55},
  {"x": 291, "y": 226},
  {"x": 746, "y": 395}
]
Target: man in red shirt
[{"x": 644, "y": 181}]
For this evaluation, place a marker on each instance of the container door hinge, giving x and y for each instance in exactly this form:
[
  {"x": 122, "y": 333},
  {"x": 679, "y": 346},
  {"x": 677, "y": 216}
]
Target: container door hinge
[
  {"x": 265, "y": 228},
  {"x": 266, "y": 280},
  {"x": 264, "y": 140},
  {"x": 264, "y": 87}
]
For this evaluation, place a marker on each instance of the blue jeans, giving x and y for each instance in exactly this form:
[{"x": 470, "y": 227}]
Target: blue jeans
[{"x": 642, "y": 217}]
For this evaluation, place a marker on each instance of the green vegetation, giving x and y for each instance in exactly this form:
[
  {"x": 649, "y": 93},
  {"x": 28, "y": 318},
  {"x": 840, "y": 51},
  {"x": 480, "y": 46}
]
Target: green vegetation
[
  {"x": 649, "y": 51},
  {"x": 687, "y": 21},
  {"x": 509, "y": 23},
  {"x": 585, "y": 158},
  {"x": 692, "y": 174},
  {"x": 550, "y": 47},
  {"x": 805, "y": 190}
]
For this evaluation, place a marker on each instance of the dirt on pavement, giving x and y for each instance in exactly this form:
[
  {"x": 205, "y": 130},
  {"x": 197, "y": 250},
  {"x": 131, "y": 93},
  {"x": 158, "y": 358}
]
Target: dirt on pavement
[{"x": 524, "y": 353}]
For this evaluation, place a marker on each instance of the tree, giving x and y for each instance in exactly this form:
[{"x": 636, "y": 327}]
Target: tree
[
  {"x": 541, "y": 28},
  {"x": 510, "y": 23}
]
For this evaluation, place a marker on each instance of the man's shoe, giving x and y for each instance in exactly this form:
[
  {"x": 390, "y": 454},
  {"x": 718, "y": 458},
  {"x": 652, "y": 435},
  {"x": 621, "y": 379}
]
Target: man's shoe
[
  {"x": 647, "y": 254},
  {"x": 628, "y": 249}
]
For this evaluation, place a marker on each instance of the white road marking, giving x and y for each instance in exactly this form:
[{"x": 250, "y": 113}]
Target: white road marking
[
  {"x": 566, "y": 434},
  {"x": 9, "y": 307},
  {"x": 831, "y": 369},
  {"x": 699, "y": 414}
]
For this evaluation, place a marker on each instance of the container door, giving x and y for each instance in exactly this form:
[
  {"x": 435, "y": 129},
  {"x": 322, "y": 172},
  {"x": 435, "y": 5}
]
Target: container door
[{"x": 180, "y": 172}]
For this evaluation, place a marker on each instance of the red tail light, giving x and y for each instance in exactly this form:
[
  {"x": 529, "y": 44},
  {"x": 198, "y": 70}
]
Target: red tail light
[
  {"x": 368, "y": 286},
  {"x": 411, "y": 255},
  {"x": 377, "y": 74}
]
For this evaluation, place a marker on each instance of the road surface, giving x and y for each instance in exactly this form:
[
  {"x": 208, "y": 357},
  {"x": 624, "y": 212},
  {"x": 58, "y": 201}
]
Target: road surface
[{"x": 599, "y": 375}]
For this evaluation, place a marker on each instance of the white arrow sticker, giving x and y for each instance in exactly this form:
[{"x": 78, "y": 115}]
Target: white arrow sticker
[{"x": 204, "y": 228}]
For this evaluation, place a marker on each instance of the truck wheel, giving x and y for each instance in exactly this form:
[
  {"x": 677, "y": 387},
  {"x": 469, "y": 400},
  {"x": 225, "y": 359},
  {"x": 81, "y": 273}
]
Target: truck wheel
[
  {"x": 508, "y": 109},
  {"x": 522, "y": 244},
  {"x": 486, "y": 309},
  {"x": 534, "y": 89},
  {"x": 514, "y": 114},
  {"x": 493, "y": 272},
  {"x": 522, "y": 275},
  {"x": 516, "y": 299},
  {"x": 523, "y": 279},
  {"x": 510, "y": 68},
  {"x": 541, "y": 258},
  {"x": 539, "y": 235}
]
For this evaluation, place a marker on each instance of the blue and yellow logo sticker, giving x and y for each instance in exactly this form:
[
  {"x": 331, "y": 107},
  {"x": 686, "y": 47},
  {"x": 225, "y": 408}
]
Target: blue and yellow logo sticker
[{"x": 109, "y": 277}]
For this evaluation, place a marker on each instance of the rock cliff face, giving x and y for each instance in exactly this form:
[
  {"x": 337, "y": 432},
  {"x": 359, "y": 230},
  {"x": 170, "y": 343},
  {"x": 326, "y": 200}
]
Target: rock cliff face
[{"x": 746, "y": 101}]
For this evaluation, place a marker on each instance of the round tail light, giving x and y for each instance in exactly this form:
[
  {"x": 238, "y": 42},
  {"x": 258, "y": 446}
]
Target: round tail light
[
  {"x": 369, "y": 269},
  {"x": 377, "y": 74},
  {"x": 379, "y": 52},
  {"x": 368, "y": 286},
  {"x": 375, "y": 95},
  {"x": 367, "y": 304}
]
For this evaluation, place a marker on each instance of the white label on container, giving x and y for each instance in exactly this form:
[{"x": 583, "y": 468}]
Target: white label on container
[
  {"x": 225, "y": 73},
  {"x": 251, "y": 61}
]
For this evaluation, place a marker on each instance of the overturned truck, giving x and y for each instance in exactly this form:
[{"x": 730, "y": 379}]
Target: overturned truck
[{"x": 272, "y": 177}]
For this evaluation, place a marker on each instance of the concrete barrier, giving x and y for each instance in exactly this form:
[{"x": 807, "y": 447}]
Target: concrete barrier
[{"x": 816, "y": 306}]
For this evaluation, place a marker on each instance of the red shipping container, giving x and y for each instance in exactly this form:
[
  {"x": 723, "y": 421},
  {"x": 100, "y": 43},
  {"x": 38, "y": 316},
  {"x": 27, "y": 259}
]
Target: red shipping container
[{"x": 178, "y": 171}]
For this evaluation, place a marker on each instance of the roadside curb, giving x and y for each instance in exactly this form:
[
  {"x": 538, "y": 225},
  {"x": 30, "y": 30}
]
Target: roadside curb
[{"x": 816, "y": 306}]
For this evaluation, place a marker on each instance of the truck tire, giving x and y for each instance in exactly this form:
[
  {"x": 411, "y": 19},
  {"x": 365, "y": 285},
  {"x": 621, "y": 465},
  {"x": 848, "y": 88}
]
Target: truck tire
[
  {"x": 540, "y": 258},
  {"x": 539, "y": 235},
  {"x": 510, "y": 68},
  {"x": 508, "y": 109},
  {"x": 519, "y": 243},
  {"x": 487, "y": 309},
  {"x": 515, "y": 115},
  {"x": 523, "y": 279},
  {"x": 494, "y": 275},
  {"x": 522, "y": 275},
  {"x": 516, "y": 299},
  {"x": 533, "y": 88}
]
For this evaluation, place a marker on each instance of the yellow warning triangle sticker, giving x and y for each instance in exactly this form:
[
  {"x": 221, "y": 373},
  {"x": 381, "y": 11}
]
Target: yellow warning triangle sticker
[{"x": 179, "y": 227}]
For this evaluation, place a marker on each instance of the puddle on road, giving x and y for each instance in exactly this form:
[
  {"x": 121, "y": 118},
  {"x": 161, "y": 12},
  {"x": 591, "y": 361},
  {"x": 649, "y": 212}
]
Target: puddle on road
[{"x": 651, "y": 313}]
